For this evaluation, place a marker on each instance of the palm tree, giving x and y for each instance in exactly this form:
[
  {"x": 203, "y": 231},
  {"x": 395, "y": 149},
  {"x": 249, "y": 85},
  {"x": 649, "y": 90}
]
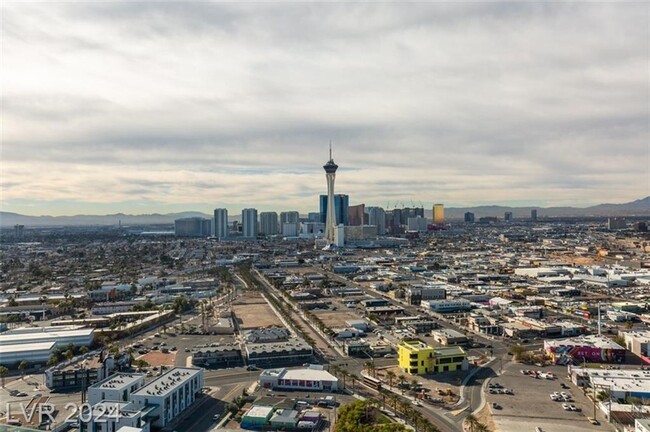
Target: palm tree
[
  {"x": 369, "y": 366},
  {"x": 345, "y": 374},
  {"x": 22, "y": 366},
  {"x": 395, "y": 400},
  {"x": 401, "y": 379},
  {"x": 382, "y": 393},
  {"x": 472, "y": 421},
  {"x": 414, "y": 384},
  {"x": 480, "y": 427},
  {"x": 354, "y": 378},
  {"x": 391, "y": 376},
  {"x": 3, "y": 373}
]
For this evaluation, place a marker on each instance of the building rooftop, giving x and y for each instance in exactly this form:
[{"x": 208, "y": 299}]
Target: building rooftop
[
  {"x": 450, "y": 333},
  {"x": 29, "y": 337},
  {"x": 259, "y": 412},
  {"x": 118, "y": 381},
  {"x": 168, "y": 382},
  {"x": 279, "y": 346},
  {"x": 310, "y": 374},
  {"x": 625, "y": 380},
  {"x": 14, "y": 348},
  {"x": 415, "y": 344},
  {"x": 590, "y": 341}
]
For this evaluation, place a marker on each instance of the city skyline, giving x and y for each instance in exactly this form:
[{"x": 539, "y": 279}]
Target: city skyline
[{"x": 158, "y": 108}]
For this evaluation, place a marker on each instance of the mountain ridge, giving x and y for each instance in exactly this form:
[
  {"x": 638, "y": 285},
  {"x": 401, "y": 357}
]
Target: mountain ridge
[{"x": 640, "y": 207}]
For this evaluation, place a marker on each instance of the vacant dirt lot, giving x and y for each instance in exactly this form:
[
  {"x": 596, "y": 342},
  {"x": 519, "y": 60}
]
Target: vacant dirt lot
[
  {"x": 337, "y": 318},
  {"x": 254, "y": 312},
  {"x": 156, "y": 358}
]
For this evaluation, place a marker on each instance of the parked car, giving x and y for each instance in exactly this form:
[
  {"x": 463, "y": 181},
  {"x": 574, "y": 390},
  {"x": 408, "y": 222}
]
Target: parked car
[{"x": 496, "y": 405}]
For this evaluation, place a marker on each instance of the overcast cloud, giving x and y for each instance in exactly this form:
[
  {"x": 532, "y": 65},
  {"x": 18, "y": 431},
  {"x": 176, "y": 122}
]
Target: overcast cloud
[{"x": 155, "y": 107}]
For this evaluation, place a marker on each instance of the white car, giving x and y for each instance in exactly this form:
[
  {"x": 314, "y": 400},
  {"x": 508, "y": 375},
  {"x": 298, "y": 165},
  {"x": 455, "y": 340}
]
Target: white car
[
  {"x": 216, "y": 417},
  {"x": 564, "y": 395},
  {"x": 554, "y": 398},
  {"x": 566, "y": 407}
]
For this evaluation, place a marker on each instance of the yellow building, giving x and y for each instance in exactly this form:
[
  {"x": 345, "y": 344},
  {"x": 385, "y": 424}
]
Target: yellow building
[
  {"x": 417, "y": 358},
  {"x": 438, "y": 214}
]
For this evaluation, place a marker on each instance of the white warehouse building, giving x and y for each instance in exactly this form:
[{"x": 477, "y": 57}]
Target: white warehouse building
[
  {"x": 61, "y": 335},
  {"x": 35, "y": 345},
  {"x": 313, "y": 378}
]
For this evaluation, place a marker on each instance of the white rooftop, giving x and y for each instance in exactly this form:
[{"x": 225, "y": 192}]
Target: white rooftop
[
  {"x": 14, "y": 348},
  {"x": 118, "y": 381},
  {"x": 30, "y": 338},
  {"x": 168, "y": 382},
  {"x": 309, "y": 374},
  {"x": 259, "y": 412}
]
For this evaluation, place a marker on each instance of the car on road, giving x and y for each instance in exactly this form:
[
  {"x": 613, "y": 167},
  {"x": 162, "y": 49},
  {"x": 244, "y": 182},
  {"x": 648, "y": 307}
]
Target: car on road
[
  {"x": 390, "y": 356},
  {"x": 564, "y": 386},
  {"x": 216, "y": 417},
  {"x": 187, "y": 350},
  {"x": 173, "y": 348}
]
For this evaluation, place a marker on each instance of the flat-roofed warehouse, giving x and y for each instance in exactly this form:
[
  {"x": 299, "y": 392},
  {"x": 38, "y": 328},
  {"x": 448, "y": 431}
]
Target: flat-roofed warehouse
[
  {"x": 61, "y": 336},
  {"x": 36, "y": 353},
  {"x": 313, "y": 378}
]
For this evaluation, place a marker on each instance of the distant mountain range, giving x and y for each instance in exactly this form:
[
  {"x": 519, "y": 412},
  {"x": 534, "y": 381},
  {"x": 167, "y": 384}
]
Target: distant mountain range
[{"x": 639, "y": 207}]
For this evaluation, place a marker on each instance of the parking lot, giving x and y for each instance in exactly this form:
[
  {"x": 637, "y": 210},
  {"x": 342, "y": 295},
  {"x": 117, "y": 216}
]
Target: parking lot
[{"x": 530, "y": 404}]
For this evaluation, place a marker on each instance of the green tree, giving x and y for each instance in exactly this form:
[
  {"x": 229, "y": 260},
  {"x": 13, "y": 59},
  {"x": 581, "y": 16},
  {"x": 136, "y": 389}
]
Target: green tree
[
  {"x": 3, "y": 374},
  {"x": 363, "y": 416},
  {"x": 22, "y": 366},
  {"x": 517, "y": 351}
]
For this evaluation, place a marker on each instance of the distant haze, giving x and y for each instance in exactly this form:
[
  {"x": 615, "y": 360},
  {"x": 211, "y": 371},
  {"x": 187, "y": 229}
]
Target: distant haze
[
  {"x": 639, "y": 207},
  {"x": 161, "y": 107}
]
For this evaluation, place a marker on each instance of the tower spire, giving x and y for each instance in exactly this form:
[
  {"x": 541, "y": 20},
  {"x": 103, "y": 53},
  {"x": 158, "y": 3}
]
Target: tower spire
[{"x": 330, "y": 149}]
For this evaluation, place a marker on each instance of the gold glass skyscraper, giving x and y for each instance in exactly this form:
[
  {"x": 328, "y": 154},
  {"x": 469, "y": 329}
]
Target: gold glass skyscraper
[{"x": 438, "y": 214}]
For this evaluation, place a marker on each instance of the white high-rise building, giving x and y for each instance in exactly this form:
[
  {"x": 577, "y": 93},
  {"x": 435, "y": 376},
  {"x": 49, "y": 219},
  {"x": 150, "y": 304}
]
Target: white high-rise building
[
  {"x": 221, "y": 223},
  {"x": 377, "y": 217},
  {"x": 330, "y": 174},
  {"x": 249, "y": 222},
  {"x": 290, "y": 223},
  {"x": 268, "y": 223},
  {"x": 289, "y": 217}
]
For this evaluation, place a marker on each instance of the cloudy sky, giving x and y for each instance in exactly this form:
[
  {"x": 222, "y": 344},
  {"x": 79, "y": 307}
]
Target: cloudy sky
[{"x": 167, "y": 106}]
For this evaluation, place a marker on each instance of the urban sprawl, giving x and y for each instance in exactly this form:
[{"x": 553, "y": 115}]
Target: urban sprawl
[{"x": 348, "y": 316}]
